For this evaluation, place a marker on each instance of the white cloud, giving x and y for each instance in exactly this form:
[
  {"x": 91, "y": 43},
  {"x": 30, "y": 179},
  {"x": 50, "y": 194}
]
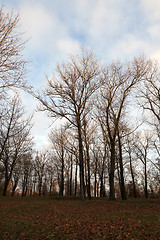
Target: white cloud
[
  {"x": 155, "y": 54},
  {"x": 95, "y": 18},
  {"x": 154, "y": 31},
  {"x": 104, "y": 19},
  {"x": 36, "y": 22},
  {"x": 129, "y": 46},
  {"x": 68, "y": 46},
  {"x": 112, "y": 28},
  {"x": 152, "y": 8}
]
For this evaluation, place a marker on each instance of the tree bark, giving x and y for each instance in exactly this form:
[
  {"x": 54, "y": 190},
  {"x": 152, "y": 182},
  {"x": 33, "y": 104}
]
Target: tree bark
[
  {"x": 14, "y": 186},
  {"x": 145, "y": 176},
  {"x": 102, "y": 187},
  {"x": 81, "y": 161},
  {"x": 50, "y": 187},
  {"x": 111, "y": 172},
  {"x": 62, "y": 177},
  {"x": 132, "y": 175},
  {"x": 75, "y": 182},
  {"x": 5, "y": 186},
  {"x": 122, "y": 184},
  {"x": 95, "y": 178},
  {"x": 88, "y": 163},
  {"x": 71, "y": 172}
]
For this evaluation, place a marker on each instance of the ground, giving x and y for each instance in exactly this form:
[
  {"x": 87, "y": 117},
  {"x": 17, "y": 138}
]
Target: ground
[{"x": 68, "y": 218}]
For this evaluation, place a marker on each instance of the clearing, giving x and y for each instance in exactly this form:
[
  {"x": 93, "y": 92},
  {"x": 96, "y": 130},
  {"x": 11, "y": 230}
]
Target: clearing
[{"x": 70, "y": 218}]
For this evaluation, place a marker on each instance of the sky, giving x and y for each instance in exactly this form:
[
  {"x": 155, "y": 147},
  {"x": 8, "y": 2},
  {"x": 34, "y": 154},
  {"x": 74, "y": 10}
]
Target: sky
[{"x": 113, "y": 29}]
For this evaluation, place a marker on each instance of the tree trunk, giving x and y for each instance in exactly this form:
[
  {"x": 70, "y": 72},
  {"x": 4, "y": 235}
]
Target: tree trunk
[
  {"x": 23, "y": 187},
  {"x": 111, "y": 173},
  {"x": 104, "y": 191},
  {"x": 101, "y": 185},
  {"x": 14, "y": 186},
  {"x": 85, "y": 172},
  {"x": 70, "y": 184},
  {"x": 62, "y": 176},
  {"x": 30, "y": 192},
  {"x": 81, "y": 162},
  {"x": 97, "y": 188},
  {"x": 8, "y": 175},
  {"x": 88, "y": 163},
  {"x": 50, "y": 187},
  {"x": 75, "y": 182},
  {"x": 102, "y": 177},
  {"x": 95, "y": 178},
  {"x": 132, "y": 175},
  {"x": 40, "y": 187},
  {"x": 145, "y": 176},
  {"x": 122, "y": 185},
  {"x": 5, "y": 186},
  {"x": 26, "y": 188},
  {"x": 89, "y": 179}
]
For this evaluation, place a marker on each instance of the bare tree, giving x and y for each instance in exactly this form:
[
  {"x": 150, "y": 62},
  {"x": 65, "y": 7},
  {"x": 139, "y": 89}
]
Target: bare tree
[
  {"x": 15, "y": 138},
  {"x": 68, "y": 95},
  {"x": 59, "y": 139},
  {"x": 129, "y": 148},
  {"x": 40, "y": 165},
  {"x": 88, "y": 133},
  {"x": 150, "y": 102},
  {"x": 71, "y": 147},
  {"x": 15, "y": 177},
  {"x": 119, "y": 80},
  {"x": 12, "y": 63},
  {"x": 142, "y": 147},
  {"x": 51, "y": 171},
  {"x": 26, "y": 167},
  {"x": 120, "y": 158},
  {"x": 150, "y": 93}
]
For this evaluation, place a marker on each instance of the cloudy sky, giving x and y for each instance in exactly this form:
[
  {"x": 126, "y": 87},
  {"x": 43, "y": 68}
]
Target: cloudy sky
[{"x": 114, "y": 29}]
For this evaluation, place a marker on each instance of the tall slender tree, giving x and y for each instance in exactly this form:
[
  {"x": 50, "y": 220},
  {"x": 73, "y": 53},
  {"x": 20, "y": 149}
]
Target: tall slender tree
[
  {"x": 15, "y": 138},
  {"x": 12, "y": 63},
  {"x": 119, "y": 80},
  {"x": 69, "y": 95}
]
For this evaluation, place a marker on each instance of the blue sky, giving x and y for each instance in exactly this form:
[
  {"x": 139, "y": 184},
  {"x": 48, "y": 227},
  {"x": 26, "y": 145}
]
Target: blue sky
[{"x": 114, "y": 29}]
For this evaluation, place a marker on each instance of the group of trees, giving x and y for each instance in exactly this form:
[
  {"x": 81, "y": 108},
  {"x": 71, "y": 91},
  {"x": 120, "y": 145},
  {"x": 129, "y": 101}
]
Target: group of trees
[
  {"x": 95, "y": 101},
  {"x": 100, "y": 148},
  {"x": 15, "y": 139}
]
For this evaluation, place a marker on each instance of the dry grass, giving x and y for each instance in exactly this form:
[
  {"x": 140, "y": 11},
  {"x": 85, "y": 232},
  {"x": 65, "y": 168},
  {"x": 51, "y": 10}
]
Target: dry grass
[{"x": 57, "y": 218}]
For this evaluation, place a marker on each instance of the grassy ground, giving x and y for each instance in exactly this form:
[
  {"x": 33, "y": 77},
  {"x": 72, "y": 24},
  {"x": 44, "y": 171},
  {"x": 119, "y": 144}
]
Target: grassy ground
[{"x": 56, "y": 218}]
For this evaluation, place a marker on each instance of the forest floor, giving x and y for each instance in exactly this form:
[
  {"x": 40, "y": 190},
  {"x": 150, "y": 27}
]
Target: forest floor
[{"x": 67, "y": 218}]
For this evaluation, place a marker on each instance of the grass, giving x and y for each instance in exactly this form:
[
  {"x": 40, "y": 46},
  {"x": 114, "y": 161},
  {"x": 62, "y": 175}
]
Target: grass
[{"x": 58, "y": 218}]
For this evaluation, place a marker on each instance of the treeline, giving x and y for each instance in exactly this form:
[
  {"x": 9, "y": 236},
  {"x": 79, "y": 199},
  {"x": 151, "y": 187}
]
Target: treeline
[{"x": 108, "y": 142}]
